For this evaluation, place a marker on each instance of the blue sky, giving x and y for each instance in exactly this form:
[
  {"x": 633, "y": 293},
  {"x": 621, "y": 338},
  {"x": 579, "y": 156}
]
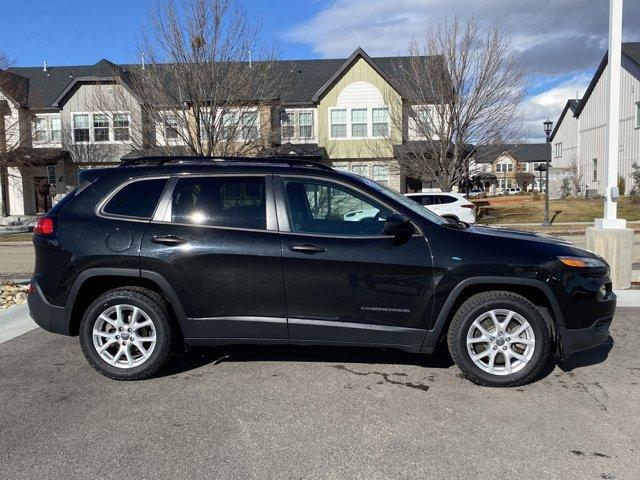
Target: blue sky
[{"x": 561, "y": 41}]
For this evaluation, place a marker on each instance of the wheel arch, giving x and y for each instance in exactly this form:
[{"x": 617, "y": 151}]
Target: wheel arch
[
  {"x": 533, "y": 290},
  {"x": 93, "y": 282}
]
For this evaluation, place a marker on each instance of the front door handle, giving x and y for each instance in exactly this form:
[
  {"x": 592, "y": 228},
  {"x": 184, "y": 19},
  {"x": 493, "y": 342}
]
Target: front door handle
[
  {"x": 307, "y": 248},
  {"x": 169, "y": 240}
]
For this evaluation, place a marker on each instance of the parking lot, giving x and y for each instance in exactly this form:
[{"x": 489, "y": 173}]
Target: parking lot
[{"x": 284, "y": 412}]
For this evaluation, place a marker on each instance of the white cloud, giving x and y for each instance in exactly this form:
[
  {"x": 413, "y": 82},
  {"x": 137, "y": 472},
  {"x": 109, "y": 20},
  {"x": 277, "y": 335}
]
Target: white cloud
[{"x": 549, "y": 104}]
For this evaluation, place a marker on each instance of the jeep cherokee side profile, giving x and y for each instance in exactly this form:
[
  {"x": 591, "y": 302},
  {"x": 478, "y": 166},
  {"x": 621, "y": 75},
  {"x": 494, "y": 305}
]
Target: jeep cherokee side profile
[{"x": 167, "y": 251}]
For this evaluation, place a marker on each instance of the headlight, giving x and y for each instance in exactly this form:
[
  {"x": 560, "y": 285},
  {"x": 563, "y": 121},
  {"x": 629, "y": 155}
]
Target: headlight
[{"x": 582, "y": 262}]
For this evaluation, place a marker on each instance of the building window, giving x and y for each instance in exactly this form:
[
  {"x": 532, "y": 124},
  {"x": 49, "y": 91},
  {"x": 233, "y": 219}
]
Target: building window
[
  {"x": 52, "y": 177},
  {"x": 121, "y": 127},
  {"x": 381, "y": 174},
  {"x": 170, "y": 126},
  {"x": 380, "y": 117},
  {"x": 305, "y": 120},
  {"x": 46, "y": 128},
  {"x": 249, "y": 125},
  {"x": 558, "y": 149},
  {"x": 594, "y": 164},
  {"x": 339, "y": 123},
  {"x": 359, "y": 169},
  {"x": 81, "y": 127},
  {"x": 358, "y": 122},
  {"x": 504, "y": 167},
  {"x": 287, "y": 125},
  {"x": 638, "y": 115},
  {"x": 100, "y": 127}
]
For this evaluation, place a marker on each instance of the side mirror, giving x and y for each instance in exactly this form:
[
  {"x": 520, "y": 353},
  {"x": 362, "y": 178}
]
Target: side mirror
[{"x": 399, "y": 226}]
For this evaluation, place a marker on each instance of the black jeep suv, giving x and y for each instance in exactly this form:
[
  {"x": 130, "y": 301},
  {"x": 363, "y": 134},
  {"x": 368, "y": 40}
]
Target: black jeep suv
[{"x": 204, "y": 251}]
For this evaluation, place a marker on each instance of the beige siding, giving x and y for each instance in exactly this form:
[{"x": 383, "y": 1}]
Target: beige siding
[{"x": 361, "y": 71}]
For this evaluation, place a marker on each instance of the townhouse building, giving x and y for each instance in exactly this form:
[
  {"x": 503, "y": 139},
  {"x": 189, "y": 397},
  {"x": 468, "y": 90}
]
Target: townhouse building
[
  {"x": 332, "y": 110},
  {"x": 580, "y": 134},
  {"x": 495, "y": 168}
]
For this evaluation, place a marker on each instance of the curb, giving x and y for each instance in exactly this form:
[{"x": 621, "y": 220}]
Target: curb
[
  {"x": 15, "y": 322},
  {"x": 16, "y": 243},
  {"x": 628, "y": 298}
]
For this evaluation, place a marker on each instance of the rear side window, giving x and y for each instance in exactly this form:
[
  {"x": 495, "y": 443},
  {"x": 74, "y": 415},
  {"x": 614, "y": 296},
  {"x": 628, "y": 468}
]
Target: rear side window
[
  {"x": 237, "y": 202},
  {"x": 428, "y": 200},
  {"x": 137, "y": 199},
  {"x": 446, "y": 199}
]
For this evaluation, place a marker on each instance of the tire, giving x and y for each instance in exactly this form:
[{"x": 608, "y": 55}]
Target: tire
[
  {"x": 489, "y": 367},
  {"x": 111, "y": 314}
]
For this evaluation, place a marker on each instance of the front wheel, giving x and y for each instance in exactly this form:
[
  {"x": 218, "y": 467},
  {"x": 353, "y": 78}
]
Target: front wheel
[
  {"x": 499, "y": 339},
  {"x": 125, "y": 334}
]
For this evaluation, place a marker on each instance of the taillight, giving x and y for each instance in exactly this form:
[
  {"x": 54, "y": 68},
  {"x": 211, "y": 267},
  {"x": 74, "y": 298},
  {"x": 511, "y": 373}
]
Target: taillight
[
  {"x": 467, "y": 205},
  {"x": 44, "y": 226}
]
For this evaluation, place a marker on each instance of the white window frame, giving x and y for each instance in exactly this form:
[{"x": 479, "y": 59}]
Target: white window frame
[
  {"x": 113, "y": 126},
  {"x": 381, "y": 179},
  {"x": 594, "y": 169},
  {"x": 505, "y": 163},
  {"x": 637, "y": 114},
  {"x": 48, "y": 118},
  {"x": 349, "y": 123},
  {"x": 295, "y": 114},
  {"x": 415, "y": 132},
  {"x": 557, "y": 153},
  {"x": 91, "y": 140},
  {"x": 237, "y": 113}
]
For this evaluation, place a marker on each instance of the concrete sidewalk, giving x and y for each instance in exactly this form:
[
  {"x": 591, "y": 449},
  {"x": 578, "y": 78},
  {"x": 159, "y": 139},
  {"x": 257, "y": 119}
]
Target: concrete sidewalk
[{"x": 15, "y": 322}]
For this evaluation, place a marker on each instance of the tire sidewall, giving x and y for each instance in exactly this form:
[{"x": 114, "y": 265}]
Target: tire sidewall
[
  {"x": 540, "y": 330},
  {"x": 151, "y": 308}
]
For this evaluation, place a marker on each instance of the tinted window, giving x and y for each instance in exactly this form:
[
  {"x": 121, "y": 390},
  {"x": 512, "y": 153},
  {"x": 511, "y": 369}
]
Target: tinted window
[
  {"x": 317, "y": 207},
  {"x": 429, "y": 200},
  {"x": 447, "y": 199},
  {"x": 137, "y": 199},
  {"x": 220, "y": 201}
]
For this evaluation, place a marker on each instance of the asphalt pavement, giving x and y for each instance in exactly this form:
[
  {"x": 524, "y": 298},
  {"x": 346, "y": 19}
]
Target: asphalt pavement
[{"x": 317, "y": 413}]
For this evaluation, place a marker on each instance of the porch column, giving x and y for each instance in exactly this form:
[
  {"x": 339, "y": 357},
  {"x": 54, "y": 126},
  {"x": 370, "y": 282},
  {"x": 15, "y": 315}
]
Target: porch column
[{"x": 15, "y": 191}]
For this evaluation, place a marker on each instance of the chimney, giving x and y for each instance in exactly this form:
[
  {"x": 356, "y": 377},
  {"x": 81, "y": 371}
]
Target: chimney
[{"x": 44, "y": 66}]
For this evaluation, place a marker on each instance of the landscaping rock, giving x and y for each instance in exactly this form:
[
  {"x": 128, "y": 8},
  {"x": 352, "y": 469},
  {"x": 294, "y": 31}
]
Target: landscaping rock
[{"x": 12, "y": 294}]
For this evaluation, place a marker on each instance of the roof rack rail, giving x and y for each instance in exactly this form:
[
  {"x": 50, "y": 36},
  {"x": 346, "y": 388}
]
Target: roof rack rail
[{"x": 184, "y": 159}]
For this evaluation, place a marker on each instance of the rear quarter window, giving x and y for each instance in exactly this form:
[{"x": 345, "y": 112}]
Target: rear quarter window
[
  {"x": 447, "y": 199},
  {"x": 137, "y": 199}
]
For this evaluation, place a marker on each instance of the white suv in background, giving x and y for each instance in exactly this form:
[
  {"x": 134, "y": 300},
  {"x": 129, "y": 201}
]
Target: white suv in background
[{"x": 453, "y": 206}]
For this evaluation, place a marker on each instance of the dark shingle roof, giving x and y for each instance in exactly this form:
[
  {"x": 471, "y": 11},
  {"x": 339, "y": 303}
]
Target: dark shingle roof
[
  {"x": 302, "y": 78},
  {"x": 630, "y": 49},
  {"x": 524, "y": 152}
]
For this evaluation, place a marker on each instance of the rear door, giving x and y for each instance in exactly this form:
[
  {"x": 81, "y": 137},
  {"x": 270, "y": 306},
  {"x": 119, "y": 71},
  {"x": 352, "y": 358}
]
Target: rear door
[
  {"x": 345, "y": 281},
  {"x": 215, "y": 240}
]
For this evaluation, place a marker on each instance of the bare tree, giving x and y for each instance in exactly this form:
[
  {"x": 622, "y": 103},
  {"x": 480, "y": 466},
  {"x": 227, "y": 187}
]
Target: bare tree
[
  {"x": 208, "y": 85},
  {"x": 462, "y": 87},
  {"x": 575, "y": 175}
]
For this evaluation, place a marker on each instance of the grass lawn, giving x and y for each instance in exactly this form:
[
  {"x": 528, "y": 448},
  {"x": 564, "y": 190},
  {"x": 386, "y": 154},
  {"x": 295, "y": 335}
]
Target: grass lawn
[
  {"x": 526, "y": 210},
  {"x": 16, "y": 237}
]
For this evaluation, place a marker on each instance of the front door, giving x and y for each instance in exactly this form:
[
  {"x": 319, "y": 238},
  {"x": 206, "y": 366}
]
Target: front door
[
  {"x": 217, "y": 245},
  {"x": 345, "y": 281},
  {"x": 43, "y": 197}
]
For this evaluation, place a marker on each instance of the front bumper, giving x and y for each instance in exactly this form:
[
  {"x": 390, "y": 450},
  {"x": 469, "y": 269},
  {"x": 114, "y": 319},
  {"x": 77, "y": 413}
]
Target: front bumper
[
  {"x": 579, "y": 339},
  {"x": 50, "y": 317}
]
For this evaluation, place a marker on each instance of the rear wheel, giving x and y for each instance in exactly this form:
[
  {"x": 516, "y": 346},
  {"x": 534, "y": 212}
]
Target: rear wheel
[
  {"x": 125, "y": 334},
  {"x": 499, "y": 339}
]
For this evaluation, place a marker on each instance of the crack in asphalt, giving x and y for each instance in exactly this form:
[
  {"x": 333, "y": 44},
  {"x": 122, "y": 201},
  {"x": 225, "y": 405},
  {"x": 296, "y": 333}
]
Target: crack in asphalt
[{"x": 386, "y": 377}]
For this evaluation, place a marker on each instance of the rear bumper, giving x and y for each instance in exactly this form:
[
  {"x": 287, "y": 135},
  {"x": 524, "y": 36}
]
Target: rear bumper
[
  {"x": 577, "y": 340},
  {"x": 50, "y": 317}
]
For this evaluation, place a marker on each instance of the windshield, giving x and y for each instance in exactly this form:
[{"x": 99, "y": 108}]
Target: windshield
[{"x": 406, "y": 201}]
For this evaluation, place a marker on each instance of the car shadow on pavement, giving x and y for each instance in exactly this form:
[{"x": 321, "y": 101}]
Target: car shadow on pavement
[
  {"x": 587, "y": 358},
  {"x": 201, "y": 356}
]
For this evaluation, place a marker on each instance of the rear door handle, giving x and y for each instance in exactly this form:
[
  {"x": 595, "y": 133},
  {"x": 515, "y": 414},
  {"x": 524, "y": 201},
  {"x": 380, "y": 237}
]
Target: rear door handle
[
  {"x": 307, "y": 248},
  {"x": 168, "y": 240}
]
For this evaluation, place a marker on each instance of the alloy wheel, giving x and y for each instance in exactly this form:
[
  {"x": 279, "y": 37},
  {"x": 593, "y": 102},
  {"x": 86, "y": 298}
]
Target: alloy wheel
[
  {"x": 124, "y": 336},
  {"x": 500, "y": 342}
]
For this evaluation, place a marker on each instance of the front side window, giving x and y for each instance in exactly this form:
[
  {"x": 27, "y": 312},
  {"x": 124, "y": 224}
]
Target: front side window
[
  {"x": 249, "y": 125},
  {"x": 121, "y": 127},
  {"x": 81, "y": 127},
  {"x": 40, "y": 130},
  {"x": 236, "y": 202},
  {"x": 359, "y": 122},
  {"x": 137, "y": 199},
  {"x": 338, "y": 123},
  {"x": 380, "y": 118},
  {"x": 101, "y": 127},
  {"x": 326, "y": 208}
]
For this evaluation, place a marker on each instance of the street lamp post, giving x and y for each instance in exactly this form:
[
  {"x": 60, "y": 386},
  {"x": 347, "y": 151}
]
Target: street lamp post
[{"x": 548, "y": 127}]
